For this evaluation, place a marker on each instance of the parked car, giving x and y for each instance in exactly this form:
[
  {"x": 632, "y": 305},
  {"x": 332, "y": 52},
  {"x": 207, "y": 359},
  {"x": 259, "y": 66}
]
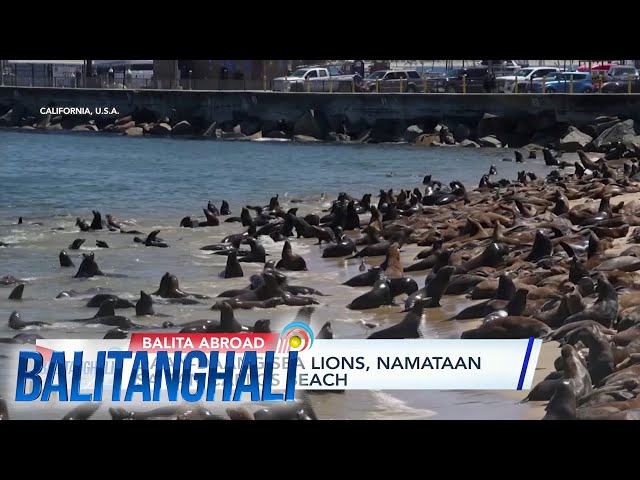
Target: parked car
[
  {"x": 523, "y": 78},
  {"x": 389, "y": 81},
  {"x": 316, "y": 79},
  {"x": 561, "y": 82},
  {"x": 620, "y": 72},
  {"x": 622, "y": 86},
  {"x": 475, "y": 78}
]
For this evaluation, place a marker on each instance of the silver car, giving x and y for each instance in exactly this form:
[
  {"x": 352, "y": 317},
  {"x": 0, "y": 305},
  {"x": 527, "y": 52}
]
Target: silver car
[{"x": 398, "y": 81}]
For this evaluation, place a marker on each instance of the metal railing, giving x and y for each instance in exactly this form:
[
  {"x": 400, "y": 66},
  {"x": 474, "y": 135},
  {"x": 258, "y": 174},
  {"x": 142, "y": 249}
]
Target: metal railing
[{"x": 423, "y": 85}]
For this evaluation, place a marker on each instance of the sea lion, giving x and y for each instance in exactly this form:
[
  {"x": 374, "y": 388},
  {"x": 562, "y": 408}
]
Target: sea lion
[
  {"x": 152, "y": 240},
  {"x": 170, "y": 288},
  {"x": 342, "y": 248},
  {"x": 96, "y": 223},
  {"x": 75, "y": 245},
  {"x": 65, "y": 260},
  {"x": 509, "y": 327},
  {"x": 227, "y": 323},
  {"x": 16, "y": 293},
  {"x": 88, "y": 267},
  {"x": 233, "y": 269},
  {"x": 393, "y": 265},
  {"x": 100, "y": 298},
  {"x": 116, "y": 334},
  {"x": 605, "y": 308},
  {"x": 325, "y": 333},
  {"x": 505, "y": 292},
  {"x": 291, "y": 261},
  {"x": 562, "y": 405},
  {"x": 257, "y": 254},
  {"x": 492, "y": 256},
  {"x": 83, "y": 411},
  {"x": 378, "y": 296},
  {"x": 144, "y": 306},
  {"x": 600, "y": 360},
  {"x": 212, "y": 219},
  {"x": 433, "y": 290},
  {"x": 462, "y": 284},
  {"x": 408, "y": 327},
  {"x": 101, "y": 244},
  {"x": 237, "y": 303},
  {"x": 549, "y": 159},
  {"x": 22, "y": 338},
  {"x": 404, "y": 285},
  {"x": 16, "y": 322},
  {"x": 541, "y": 247},
  {"x": 366, "y": 279},
  {"x": 224, "y": 208}
]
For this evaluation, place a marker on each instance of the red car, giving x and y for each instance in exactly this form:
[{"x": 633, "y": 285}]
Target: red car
[{"x": 596, "y": 69}]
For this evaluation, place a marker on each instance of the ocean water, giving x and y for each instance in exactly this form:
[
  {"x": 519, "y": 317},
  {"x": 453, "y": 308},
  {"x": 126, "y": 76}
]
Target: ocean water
[{"x": 50, "y": 179}]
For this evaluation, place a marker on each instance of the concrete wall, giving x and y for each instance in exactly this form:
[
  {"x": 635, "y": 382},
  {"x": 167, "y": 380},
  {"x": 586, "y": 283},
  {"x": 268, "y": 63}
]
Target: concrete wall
[{"x": 370, "y": 108}]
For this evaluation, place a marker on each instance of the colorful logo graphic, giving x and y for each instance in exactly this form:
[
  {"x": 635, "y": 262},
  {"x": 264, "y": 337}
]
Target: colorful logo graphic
[{"x": 296, "y": 336}]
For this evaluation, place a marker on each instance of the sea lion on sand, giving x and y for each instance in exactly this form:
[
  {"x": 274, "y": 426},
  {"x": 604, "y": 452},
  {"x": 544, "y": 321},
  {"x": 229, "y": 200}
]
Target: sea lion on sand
[
  {"x": 604, "y": 310},
  {"x": 16, "y": 293},
  {"x": 16, "y": 322},
  {"x": 233, "y": 269},
  {"x": 404, "y": 285},
  {"x": 65, "y": 260},
  {"x": 393, "y": 265},
  {"x": 433, "y": 290},
  {"x": 408, "y": 327},
  {"x": 291, "y": 261},
  {"x": 509, "y": 327},
  {"x": 366, "y": 279},
  {"x": 562, "y": 405},
  {"x": 342, "y": 248},
  {"x": 600, "y": 360},
  {"x": 88, "y": 267},
  {"x": 378, "y": 296}
]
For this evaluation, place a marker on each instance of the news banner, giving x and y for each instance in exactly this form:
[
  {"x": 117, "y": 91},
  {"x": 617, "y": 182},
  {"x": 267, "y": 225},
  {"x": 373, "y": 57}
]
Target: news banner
[{"x": 173, "y": 367}]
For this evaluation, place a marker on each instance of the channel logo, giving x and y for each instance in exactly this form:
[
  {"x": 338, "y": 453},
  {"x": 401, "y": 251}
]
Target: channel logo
[{"x": 296, "y": 337}]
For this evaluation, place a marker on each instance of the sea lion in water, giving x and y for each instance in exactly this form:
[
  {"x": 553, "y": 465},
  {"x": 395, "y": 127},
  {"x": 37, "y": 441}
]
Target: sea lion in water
[
  {"x": 233, "y": 268},
  {"x": 100, "y": 298},
  {"x": 325, "y": 333},
  {"x": 378, "y": 296},
  {"x": 75, "y": 245},
  {"x": 257, "y": 254},
  {"x": 65, "y": 260},
  {"x": 88, "y": 267},
  {"x": 291, "y": 261},
  {"x": 224, "y": 208},
  {"x": 152, "y": 240},
  {"x": 144, "y": 306},
  {"x": 115, "y": 334},
  {"x": 16, "y": 322},
  {"x": 96, "y": 224},
  {"x": 236, "y": 303},
  {"x": 101, "y": 244},
  {"x": 83, "y": 411},
  {"x": 170, "y": 288},
  {"x": 227, "y": 323},
  {"x": 16, "y": 293},
  {"x": 408, "y": 327}
]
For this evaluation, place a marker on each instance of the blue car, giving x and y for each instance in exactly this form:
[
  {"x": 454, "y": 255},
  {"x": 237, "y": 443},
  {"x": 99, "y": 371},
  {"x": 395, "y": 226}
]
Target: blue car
[{"x": 561, "y": 82}]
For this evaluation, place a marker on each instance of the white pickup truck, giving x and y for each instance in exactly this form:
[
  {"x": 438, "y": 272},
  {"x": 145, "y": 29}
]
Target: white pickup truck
[{"x": 315, "y": 79}]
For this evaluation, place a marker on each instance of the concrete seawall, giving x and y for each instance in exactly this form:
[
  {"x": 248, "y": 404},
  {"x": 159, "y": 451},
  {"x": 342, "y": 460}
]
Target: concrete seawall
[
  {"x": 224, "y": 106},
  {"x": 369, "y": 117}
]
